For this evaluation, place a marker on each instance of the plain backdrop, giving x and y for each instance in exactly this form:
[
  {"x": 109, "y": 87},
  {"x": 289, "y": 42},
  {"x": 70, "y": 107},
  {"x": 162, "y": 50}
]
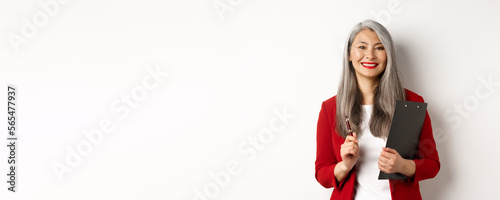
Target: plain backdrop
[{"x": 235, "y": 118}]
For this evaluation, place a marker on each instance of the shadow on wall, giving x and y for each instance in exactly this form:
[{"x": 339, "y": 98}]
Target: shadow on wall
[{"x": 432, "y": 188}]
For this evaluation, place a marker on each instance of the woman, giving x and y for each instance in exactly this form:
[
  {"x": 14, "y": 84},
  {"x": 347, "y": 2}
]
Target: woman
[{"x": 367, "y": 92}]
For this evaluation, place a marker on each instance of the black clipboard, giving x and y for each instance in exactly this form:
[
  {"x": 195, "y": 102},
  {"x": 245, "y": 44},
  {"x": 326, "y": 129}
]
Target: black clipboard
[{"x": 407, "y": 123}]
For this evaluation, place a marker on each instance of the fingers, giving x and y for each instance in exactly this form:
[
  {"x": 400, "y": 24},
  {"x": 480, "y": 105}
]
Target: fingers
[
  {"x": 386, "y": 155},
  {"x": 389, "y": 153},
  {"x": 387, "y": 149},
  {"x": 385, "y": 168},
  {"x": 386, "y": 165},
  {"x": 350, "y": 148},
  {"x": 352, "y": 138},
  {"x": 388, "y": 159}
]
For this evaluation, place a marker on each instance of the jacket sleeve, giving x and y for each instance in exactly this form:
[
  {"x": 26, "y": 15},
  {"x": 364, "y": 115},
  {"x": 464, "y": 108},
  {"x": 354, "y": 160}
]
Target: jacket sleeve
[
  {"x": 325, "y": 158},
  {"x": 427, "y": 164}
]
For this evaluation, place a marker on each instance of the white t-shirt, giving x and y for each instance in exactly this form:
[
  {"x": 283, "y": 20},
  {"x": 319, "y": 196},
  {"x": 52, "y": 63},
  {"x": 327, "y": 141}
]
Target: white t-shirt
[{"x": 367, "y": 184}]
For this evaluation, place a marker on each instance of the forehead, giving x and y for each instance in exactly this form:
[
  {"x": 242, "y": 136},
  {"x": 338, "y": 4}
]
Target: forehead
[{"x": 366, "y": 36}]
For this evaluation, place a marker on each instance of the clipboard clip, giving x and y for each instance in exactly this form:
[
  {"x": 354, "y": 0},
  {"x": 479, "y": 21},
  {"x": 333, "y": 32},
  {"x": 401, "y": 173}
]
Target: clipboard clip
[{"x": 406, "y": 105}]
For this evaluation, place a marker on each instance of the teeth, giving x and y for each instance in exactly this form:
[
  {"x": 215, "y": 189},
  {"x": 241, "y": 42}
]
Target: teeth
[{"x": 369, "y": 65}]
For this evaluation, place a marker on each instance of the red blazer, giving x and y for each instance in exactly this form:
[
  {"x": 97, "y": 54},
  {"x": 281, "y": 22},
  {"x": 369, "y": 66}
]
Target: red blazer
[{"x": 328, "y": 155}]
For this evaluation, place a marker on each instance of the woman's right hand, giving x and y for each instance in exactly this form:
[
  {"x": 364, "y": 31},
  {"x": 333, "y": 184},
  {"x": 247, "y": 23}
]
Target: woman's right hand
[{"x": 349, "y": 151}]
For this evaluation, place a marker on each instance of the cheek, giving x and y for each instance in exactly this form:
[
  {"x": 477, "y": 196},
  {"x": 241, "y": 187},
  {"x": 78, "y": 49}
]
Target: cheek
[
  {"x": 383, "y": 56},
  {"x": 355, "y": 55}
]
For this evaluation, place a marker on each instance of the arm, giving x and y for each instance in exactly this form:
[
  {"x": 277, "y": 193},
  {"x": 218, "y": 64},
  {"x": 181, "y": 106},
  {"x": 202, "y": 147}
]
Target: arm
[
  {"x": 427, "y": 165},
  {"x": 332, "y": 171},
  {"x": 325, "y": 160},
  {"x": 341, "y": 171},
  {"x": 349, "y": 151},
  {"x": 391, "y": 162},
  {"x": 424, "y": 167}
]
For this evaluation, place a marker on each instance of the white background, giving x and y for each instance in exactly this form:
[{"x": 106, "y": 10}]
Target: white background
[{"x": 229, "y": 71}]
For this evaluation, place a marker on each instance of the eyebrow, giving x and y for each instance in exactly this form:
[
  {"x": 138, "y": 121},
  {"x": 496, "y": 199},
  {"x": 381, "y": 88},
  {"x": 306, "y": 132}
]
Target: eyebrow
[{"x": 367, "y": 43}]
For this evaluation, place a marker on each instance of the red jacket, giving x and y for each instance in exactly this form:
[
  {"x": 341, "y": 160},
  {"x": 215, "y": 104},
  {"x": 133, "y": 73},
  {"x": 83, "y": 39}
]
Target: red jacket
[{"x": 328, "y": 155}]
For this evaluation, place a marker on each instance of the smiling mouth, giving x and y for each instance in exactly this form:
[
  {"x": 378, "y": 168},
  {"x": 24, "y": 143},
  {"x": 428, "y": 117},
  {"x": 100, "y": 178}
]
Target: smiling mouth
[{"x": 369, "y": 65}]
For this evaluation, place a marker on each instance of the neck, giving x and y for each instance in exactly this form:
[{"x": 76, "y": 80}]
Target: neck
[{"x": 367, "y": 86}]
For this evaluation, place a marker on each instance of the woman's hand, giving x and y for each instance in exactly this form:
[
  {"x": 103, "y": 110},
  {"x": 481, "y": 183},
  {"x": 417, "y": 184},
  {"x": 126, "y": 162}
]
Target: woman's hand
[
  {"x": 349, "y": 151},
  {"x": 390, "y": 161}
]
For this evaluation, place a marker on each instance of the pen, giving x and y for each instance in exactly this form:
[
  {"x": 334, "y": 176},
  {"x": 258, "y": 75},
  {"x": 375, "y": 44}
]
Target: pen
[{"x": 348, "y": 125}]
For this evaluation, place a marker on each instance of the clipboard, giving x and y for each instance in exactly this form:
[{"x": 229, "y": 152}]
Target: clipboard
[{"x": 404, "y": 134}]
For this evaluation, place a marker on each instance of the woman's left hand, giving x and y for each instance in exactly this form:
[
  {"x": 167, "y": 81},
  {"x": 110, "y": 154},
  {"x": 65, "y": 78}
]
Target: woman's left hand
[{"x": 390, "y": 162}]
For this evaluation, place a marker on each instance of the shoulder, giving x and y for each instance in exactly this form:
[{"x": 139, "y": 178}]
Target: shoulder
[
  {"x": 412, "y": 96},
  {"x": 330, "y": 104},
  {"x": 329, "y": 108}
]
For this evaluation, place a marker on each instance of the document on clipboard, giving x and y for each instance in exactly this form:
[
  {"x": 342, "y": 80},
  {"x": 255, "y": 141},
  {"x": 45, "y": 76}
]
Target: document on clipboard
[{"x": 404, "y": 134}]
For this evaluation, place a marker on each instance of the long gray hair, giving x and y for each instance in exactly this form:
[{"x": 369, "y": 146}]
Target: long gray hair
[{"x": 389, "y": 89}]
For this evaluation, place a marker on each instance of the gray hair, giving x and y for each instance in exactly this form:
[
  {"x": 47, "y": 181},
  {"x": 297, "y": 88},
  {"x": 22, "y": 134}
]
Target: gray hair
[{"x": 389, "y": 89}]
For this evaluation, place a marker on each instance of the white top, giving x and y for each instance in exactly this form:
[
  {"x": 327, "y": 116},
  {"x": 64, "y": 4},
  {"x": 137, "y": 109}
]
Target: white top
[{"x": 367, "y": 184}]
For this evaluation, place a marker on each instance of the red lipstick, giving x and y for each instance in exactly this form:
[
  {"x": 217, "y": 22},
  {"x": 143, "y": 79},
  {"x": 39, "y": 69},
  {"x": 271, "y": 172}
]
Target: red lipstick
[{"x": 369, "y": 65}]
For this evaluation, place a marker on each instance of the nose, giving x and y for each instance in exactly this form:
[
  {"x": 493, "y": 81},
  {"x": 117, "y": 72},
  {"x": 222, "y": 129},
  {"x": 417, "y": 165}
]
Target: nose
[{"x": 370, "y": 55}]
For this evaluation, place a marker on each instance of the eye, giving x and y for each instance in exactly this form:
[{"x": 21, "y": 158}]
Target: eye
[
  {"x": 362, "y": 47},
  {"x": 379, "y": 48}
]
